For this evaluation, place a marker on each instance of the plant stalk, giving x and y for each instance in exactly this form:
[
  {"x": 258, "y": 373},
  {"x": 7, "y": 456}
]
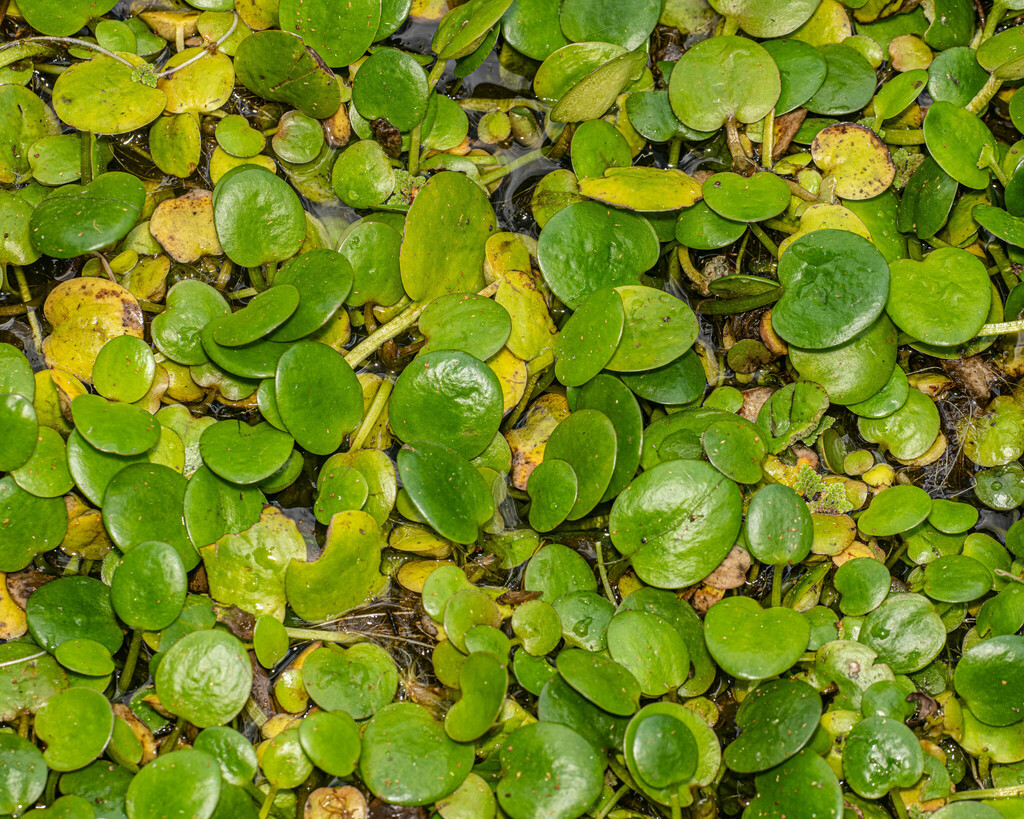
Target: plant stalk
[
  {"x": 777, "y": 585},
  {"x": 769, "y": 245},
  {"x": 124, "y": 680},
  {"x": 995, "y": 17},
  {"x": 323, "y": 635},
  {"x": 172, "y": 739},
  {"x": 768, "y": 140},
  {"x": 380, "y": 400},
  {"x": 674, "y": 150},
  {"x": 985, "y": 94},
  {"x": 267, "y": 802},
  {"x": 373, "y": 342},
  {"x": 26, "y": 297},
  {"x": 913, "y": 136},
  {"x": 515, "y": 164}
]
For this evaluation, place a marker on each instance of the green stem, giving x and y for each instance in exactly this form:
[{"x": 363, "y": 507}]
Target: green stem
[
  {"x": 323, "y": 635},
  {"x": 517, "y": 413},
  {"x": 88, "y": 149},
  {"x": 677, "y": 812},
  {"x": 691, "y": 271},
  {"x": 769, "y": 245},
  {"x": 988, "y": 793},
  {"x": 259, "y": 284},
  {"x": 897, "y": 803},
  {"x": 781, "y": 226},
  {"x": 624, "y": 776},
  {"x": 125, "y": 678},
  {"x": 896, "y": 555},
  {"x": 585, "y": 525},
  {"x": 244, "y": 293},
  {"x": 913, "y": 136},
  {"x": 1004, "y": 265},
  {"x": 995, "y": 16},
  {"x": 799, "y": 191},
  {"x": 71, "y": 568},
  {"x": 487, "y": 105},
  {"x": 414, "y": 138},
  {"x": 989, "y": 160},
  {"x": 151, "y": 306},
  {"x": 729, "y": 307},
  {"x": 267, "y": 802},
  {"x": 611, "y": 802},
  {"x": 208, "y": 50},
  {"x": 768, "y": 139},
  {"x": 674, "y": 149},
  {"x": 373, "y": 342},
  {"x": 741, "y": 252},
  {"x": 171, "y": 741},
  {"x": 777, "y": 585},
  {"x": 984, "y": 95},
  {"x": 603, "y": 573},
  {"x": 26, "y": 297},
  {"x": 675, "y": 268},
  {"x": 74, "y": 41},
  {"x": 732, "y": 139},
  {"x": 1003, "y": 328},
  {"x": 224, "y": 274},
  {"x": 51, "y": 787},
  {"x": 730, "y": 26},
  {"x": 515, "y": 164},
  {"x": 380, "y": 400}
]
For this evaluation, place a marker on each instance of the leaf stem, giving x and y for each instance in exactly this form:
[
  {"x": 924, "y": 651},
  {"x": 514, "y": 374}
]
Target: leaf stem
[
  {"x": 105, "y": 265},
  {"x": 398, "y": 325},
  {"x": 988, "y": 793},
  {"x": 414, "y": 138},
  {"x": 1003, "y": 328},
  {"x": 172, "y": 739},
  {"x": 674, "y": 150},
  {"x": 781, "y": 226},
  {"x": 515, "y": 164},
  {"x": 777, "y": 584},
  {"x": 896, "y": 555},
  {"x": 677, "y": 812},
  {"x": 345, "y": 637},
  {"x": 769, "y": 245},
  {"x": 520, "y": 408},
  {"x": 995, "y": 17},
  {"x": 985, "y": 94},
  {"x": 74, "y": 41},
  {"x": 380, "y": 400},
  {"x": 611, "y": 802},
  {"x": 20, "y": 660},
  {"x": 26, "y": 297},
  {"x": 267, "y": 802},
  {"x": 897, "y": 803},
  {"x": 208, "y": 50},
  {"x": 988, "y": 159},
  {"x": 603, "y": 572},
  {"x": 905, "y": 136},
  {"x": 768, "y": 139},
  {"x": 88, "y": 149},
  {"x": 729, "y": 307},
  {"x": 799, "y": 191},
  {"x": 124, "y": 680}
]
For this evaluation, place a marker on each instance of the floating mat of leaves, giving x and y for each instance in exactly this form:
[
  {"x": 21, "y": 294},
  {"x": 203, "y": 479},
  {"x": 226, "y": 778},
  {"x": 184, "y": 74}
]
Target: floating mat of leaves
[{"x": 511, "y": 408}]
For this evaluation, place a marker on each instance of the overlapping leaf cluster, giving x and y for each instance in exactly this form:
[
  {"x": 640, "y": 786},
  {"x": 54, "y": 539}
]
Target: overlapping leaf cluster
[{"x": 643, "y": 439}]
